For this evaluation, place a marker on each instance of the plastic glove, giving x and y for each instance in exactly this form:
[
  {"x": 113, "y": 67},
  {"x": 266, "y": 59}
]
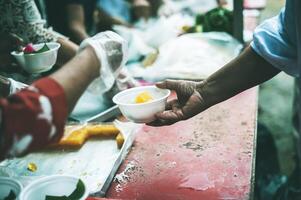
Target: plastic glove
[
  {"x": 16, "y": 86},
  {"x": 124, "y": 81},
  {"x": 111, "y": 50},
  {"x": 189, "y": 102}
]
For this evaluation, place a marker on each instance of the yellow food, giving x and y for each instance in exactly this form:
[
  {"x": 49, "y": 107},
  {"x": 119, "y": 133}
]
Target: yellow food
[
  {"x": 76, "y": 136},
  {"x": 76, "y": 139},
  {"x": 102, "y": 130},
  {"x": 119, "y": 140},
  {"x": 32, "y": 167},
  {"x": 143, "y": 97}
]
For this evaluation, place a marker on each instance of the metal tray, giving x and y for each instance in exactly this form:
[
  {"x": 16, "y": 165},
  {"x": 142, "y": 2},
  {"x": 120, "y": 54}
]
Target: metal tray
[{"x": 95, "y": 163}]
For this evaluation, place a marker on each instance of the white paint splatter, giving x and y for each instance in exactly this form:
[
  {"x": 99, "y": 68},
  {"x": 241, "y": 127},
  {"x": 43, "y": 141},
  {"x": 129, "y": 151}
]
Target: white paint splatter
[{"x": 122, "y": 178}]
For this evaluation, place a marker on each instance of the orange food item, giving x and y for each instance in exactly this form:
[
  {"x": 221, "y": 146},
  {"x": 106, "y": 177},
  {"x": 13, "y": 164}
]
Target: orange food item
[
  {"x": 76, "y": 136},
  {"x": 102, "y": 130},
  {"x": 119, "y": 140},
  {"x": 75, "y": 139},
  {"x": 143, "y": 97}
]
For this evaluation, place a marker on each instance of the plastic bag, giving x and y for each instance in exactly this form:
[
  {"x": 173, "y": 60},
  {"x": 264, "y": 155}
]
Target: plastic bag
[{"x": 191, "y": 56}]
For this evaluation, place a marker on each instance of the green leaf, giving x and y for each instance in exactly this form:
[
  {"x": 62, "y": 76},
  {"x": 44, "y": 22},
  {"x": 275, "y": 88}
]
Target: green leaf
[
  {"x": 11, "y": 196},
  {"x": 43, "y": 49},
  {"x": 57, "y": 198},
  {"x": 75, "y": 195},
  {"x": 79, "y": 191}
]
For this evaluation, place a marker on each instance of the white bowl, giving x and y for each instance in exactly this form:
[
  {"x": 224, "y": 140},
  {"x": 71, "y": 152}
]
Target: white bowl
[
  {"x": 55, "y": 185},
  {"x": 39, "y": 62},
  {"x": 9, "y": 184},
  {"x": 142, "y": 112}
]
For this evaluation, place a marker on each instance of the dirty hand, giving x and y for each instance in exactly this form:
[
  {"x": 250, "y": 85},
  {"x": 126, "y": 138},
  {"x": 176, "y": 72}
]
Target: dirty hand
[
  {"x": 111, "y": 51},
  {"x": 189, "y": 102}
]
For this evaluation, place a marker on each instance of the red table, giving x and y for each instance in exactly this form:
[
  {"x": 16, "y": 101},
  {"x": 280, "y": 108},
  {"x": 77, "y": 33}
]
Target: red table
[{"x": 210, "y": 156}]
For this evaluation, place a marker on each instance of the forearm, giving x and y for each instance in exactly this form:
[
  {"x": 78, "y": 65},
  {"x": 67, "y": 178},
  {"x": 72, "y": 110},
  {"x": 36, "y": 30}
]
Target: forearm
[
  {"x": 246, "y": 71},
  {"x": 66, "y": 52},
  {"x": 78, "y": 32},
  {"x": 76, "y": 75}
]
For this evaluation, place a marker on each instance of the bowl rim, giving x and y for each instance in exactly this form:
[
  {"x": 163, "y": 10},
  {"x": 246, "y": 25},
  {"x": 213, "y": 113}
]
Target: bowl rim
[
  {"x": 12, "y": 180},
  {"x": 145, "y": 103},
  {"x": 58, "y": 45},
  {"x": 55, "y": 177}
]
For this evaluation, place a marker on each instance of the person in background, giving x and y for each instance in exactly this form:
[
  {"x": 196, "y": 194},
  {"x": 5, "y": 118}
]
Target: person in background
[
  {"x": 21, "y": 17},
  {"x": 73, "y": 18},
  {"x": 34, "y": 117},
  {"x": 8, "y": 43},
  {"x": 276, "y": 47},
  {"x": 112, "y": 12}
]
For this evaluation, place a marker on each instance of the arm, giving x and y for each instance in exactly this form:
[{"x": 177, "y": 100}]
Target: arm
[
  {"x": 76, "y": 75},
  {"x": 247, "y": 70},
  {"x": 35, "y": 117},
  {"x": 76, "y": 22},
  {"x": 66, "y": 52},
  {"x": 273, "y": 50}
]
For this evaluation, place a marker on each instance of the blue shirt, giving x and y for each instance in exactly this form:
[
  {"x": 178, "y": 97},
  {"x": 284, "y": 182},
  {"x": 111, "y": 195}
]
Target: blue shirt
[
  {"x": 278, "y": 40},
  {"x": 116, "y": 8}
]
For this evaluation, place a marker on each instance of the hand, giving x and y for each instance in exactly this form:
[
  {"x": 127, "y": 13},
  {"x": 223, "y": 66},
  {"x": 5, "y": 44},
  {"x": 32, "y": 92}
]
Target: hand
[
  {"x": 111, "y": 51},
  {"x": 16, "y": 86},
  {"x": 8, "y": 43},
  {"x": 189, "y": 102}
]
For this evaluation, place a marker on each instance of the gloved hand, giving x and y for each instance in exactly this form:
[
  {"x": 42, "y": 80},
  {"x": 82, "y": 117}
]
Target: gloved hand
[
  {"x": 16, "y": 86},
  {"x": 189, "y": 102},
  {"x": 111, "y": 50}
]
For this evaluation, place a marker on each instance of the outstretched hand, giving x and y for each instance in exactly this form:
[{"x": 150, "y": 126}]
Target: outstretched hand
[{"x": 189, "y": 102}]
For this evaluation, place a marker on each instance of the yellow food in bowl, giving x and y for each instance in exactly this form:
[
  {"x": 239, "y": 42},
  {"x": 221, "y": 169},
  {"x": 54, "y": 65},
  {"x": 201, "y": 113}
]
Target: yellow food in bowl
[{"x": 143, "y": 97}]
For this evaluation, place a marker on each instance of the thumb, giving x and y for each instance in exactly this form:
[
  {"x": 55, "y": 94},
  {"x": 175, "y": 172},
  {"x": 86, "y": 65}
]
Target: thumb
[{"x": 168, "y": 84}]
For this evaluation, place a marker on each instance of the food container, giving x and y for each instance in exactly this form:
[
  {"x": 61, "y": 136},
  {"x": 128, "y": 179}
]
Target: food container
[
  {"x": 55, "y": 185},
  {"x": 38, "y": 62},
  {"x": 142, "y": 112},
  {"x": 7, "y": 185}
]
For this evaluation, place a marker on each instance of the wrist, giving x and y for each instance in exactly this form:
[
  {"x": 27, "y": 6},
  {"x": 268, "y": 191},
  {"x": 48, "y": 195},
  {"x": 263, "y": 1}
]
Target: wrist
[
  {"x": 204, "y": 91},
  {"x": 95, "y": 62}
]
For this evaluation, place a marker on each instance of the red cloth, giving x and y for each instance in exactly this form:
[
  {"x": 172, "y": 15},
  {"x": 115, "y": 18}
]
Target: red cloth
[{"x": 32, "y": 118}]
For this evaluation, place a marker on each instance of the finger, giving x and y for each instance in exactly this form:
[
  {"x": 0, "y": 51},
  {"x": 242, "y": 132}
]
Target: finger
[
  {"x": 193, "y": 106},
  {"x": 167, "y": 118},
  {"x": 176, "y": 107},
  {"x": 170, "y": 115},
  {"x": 170, "y": 103},
  {"x": 160, "y": 122},
  {"x": 16, "y": 41},
  {"x": 156, "y": 123},
  {"x": 168, "y": 84}
]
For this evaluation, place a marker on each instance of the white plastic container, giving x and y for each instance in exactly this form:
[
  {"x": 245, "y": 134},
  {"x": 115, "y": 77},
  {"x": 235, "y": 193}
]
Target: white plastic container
[
  {"x": 142, "y": 112},
  {"x": 55, "y": 185},
  {"x": 9, "y": 184},
  {"x": 38, "y": 62}
]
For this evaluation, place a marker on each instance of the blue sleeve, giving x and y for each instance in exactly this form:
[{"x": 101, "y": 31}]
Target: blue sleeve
[{"x": 275, "y": 40}]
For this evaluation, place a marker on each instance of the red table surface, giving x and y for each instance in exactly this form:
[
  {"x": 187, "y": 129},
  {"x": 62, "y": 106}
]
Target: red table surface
[{"x": 210, "y": 156}]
